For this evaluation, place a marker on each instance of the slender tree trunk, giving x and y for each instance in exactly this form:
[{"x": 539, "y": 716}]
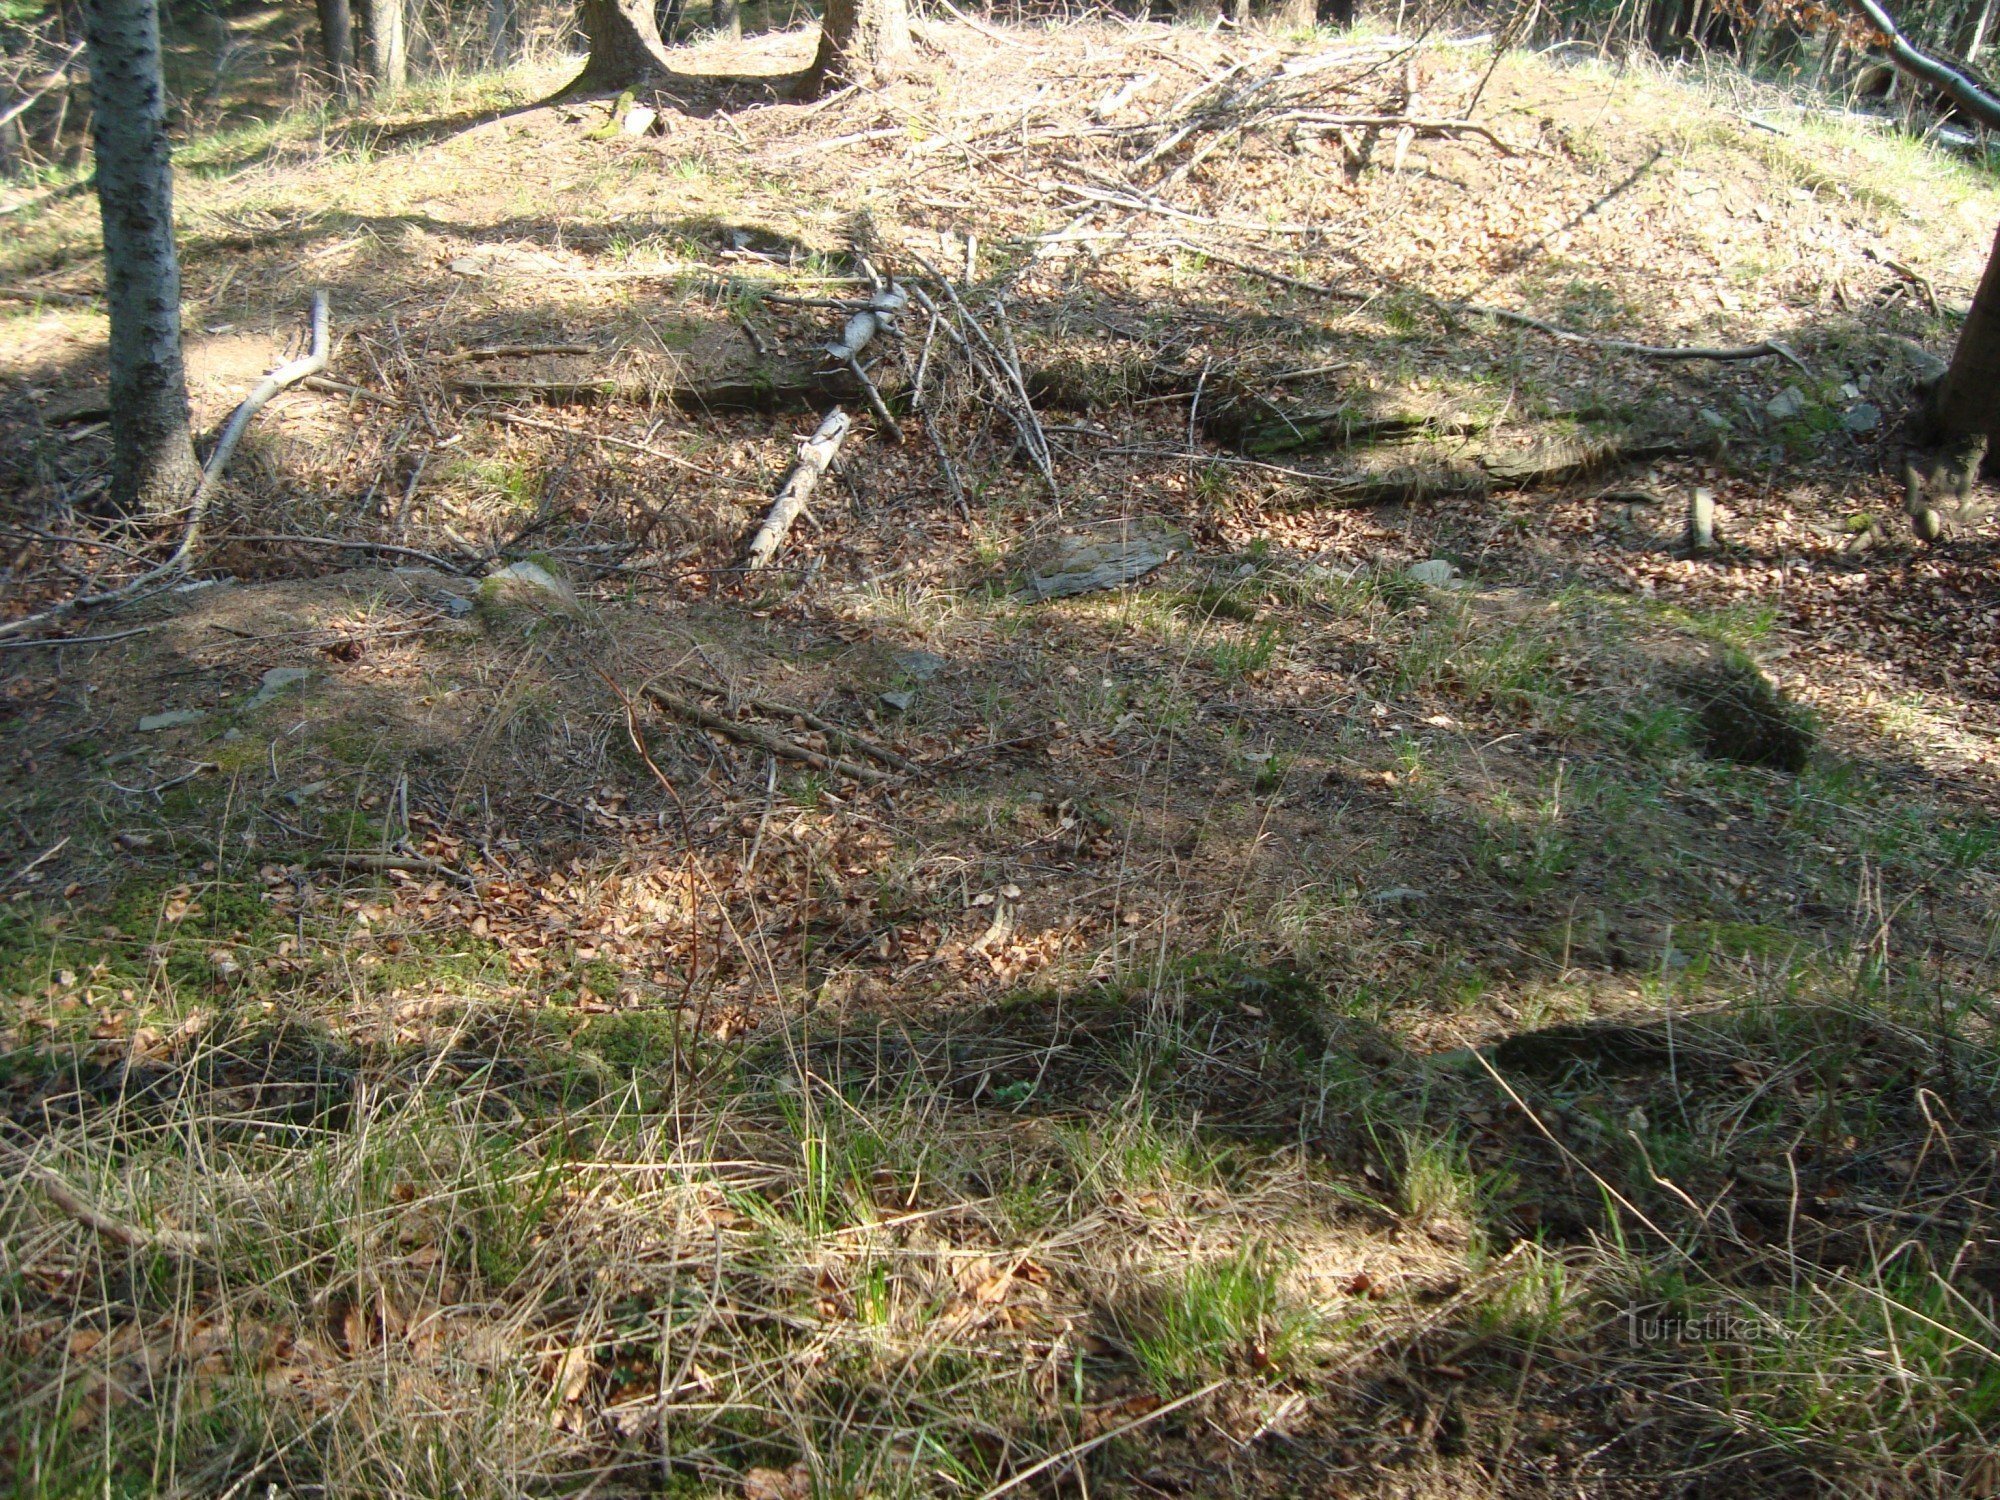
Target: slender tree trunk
[
  {"x": 1968, "y": 398},
  {"x": 388, "y": 44},
  {"x": 500, "y": 32},
  {"x": 860, "y": 41},
  {"x": 625, "y": 47},
  {"x": 727, "y": 16},
  {"x": 1980, "y": 30},
  {"x": 336, "y": 44},
  {"x": 152, "y": 452}
]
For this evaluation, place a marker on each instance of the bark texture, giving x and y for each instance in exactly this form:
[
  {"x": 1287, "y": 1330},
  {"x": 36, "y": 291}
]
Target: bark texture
[
  {"x": 388, "y": 43},
  {"x": 860, "y": 41},
  {"x": 625, "y": 47},
  {"x": 153, "y": 466},
  {"x": 1968, "y": 398},
  {"x": 336, "y": 44}
]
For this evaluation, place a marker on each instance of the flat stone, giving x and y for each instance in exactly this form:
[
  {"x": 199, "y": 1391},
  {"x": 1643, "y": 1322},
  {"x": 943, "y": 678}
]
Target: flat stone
[
  {"x": 276, "y": 681},
  {"x": 1432, "y": 572},
  {"x": 1865, "y": 417},
  {"x": 640, "y": 120},
  {"x": 1084, "y": 567},
  {"x": 173, "y": 718},
  {"x": 901, "y": 702}
]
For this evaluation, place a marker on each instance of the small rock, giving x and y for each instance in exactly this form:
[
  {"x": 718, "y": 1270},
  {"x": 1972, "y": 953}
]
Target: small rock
[
  {"x": 1396, "y": 895},
  {"x": 457, "y": 605},
  {"x": 275, "y": 682},
  {"x": 1715, "y": 419},
  {"x": 1432, "y": 572},
  {"x": 919, "y": 665},
  {"x": 525, "y": 589},
  {"x": 175, "y": 718},
  {"x": 1865, "y": 417},
  {"x": 640, "y": 120},
  {"x": 1787, "y": 404},
  {"x": 899, "y": 701}
]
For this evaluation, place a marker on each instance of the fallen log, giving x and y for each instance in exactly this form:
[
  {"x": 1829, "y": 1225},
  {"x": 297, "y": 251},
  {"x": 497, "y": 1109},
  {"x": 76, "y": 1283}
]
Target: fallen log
[{"x": 815, "y": 454}]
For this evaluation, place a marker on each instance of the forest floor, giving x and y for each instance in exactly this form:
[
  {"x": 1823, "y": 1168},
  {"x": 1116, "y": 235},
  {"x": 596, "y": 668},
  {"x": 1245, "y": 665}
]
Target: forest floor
[{"x": 1286, "y": 1025}]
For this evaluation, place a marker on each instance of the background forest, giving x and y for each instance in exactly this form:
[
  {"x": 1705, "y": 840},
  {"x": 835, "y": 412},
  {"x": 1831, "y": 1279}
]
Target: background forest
[{"x": 974, "y": 752}]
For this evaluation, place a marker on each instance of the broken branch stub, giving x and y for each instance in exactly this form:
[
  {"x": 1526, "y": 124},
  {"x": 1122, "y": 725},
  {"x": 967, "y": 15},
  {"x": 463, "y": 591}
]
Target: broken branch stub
[{"x": 816, "y": 454}]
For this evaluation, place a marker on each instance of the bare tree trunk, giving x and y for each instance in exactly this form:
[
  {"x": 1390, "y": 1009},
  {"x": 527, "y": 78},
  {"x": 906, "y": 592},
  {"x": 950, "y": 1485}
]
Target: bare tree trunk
[
  {"x": 1968, "y": 398},
  {"x": 1980, "y": 30},
  {"x": 152, "y": 452},
  {"x": 625, "y": 48},
  {"x": 860, "y": 41},
  {"x": 388, "y": 44},
  {"x": 336, "y": 44},
  {"x": 500, "y": 32}
]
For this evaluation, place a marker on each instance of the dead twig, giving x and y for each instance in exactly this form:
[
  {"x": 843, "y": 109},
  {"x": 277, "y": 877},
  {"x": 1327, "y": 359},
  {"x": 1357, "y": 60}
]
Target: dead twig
[
  {"x": 1768, "y": 349},
  {"x": 514, "y": 351},
  {"x": 180, "y": 1242},
  {"x": 444, "y": 565},
  {"x": 385, "y": 864},
  {"x": 762, "y": 738}
]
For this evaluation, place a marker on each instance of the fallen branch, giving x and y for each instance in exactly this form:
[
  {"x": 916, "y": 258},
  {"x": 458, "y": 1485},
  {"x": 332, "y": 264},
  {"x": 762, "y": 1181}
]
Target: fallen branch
[
  {"x": 1250, "y": 268},
  {"x": 1768, "y": 349},
  {"x": 385, "y": 864},
  {"x": 181, "y": 1242},
  {"x": 1962, "y": 91},
  {"x": 286, "y": 375},
  {"x": 763, "y": 739},
  {"x": 836, "y": 734},
  {"x": 1415, "y": 124},
  {"x": 815, "y": 454}
]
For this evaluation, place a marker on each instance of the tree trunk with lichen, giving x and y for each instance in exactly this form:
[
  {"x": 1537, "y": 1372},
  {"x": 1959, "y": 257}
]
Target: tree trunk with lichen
[
  {"x": 860, "y": 41},
  {"x": 152, "y": 451},
  {"x": 625, "y": 47}
]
